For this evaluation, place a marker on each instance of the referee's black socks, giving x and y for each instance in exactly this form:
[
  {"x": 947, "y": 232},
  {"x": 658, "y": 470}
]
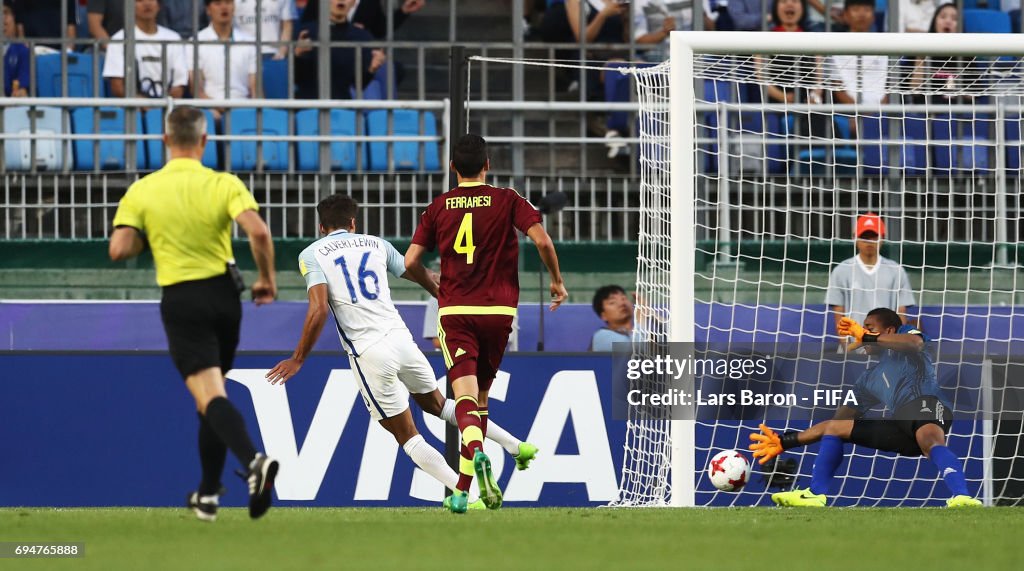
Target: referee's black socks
[
  {"x": 229, "y": 425},
  {"x": 212, "y": 454}
]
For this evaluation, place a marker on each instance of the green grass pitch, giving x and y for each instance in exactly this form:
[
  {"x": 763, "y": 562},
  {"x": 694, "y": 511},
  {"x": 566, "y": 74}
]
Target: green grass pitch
[{"x": 524, "y": 539}]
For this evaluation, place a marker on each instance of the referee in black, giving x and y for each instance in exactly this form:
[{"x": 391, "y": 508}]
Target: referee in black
[{"x": 185, "y": 211}]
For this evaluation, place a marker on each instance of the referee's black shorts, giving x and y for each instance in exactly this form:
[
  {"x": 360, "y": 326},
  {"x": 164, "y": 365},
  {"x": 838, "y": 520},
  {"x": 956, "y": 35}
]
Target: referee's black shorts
[
  {"x": 202, "y": 320},
  {"x": 898, "y": 433}
]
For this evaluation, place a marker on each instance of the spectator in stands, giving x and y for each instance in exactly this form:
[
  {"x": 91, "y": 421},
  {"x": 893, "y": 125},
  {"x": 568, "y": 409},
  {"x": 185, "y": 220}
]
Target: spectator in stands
[
  {"x": 863, "y": 78},
  {"x": 41, "y": 19},
  {"x": 737, "y": 15},
  {"x": 16, "y": 57},
  {"x": 105, "y": 18},
  {"x": 344, "y": 66},
  {"x": 940, "y": 76},
  {"x": 604, "y": 21},
  {"x": 615, "y": 308},
  {"x": 177, "y": 15},
  {"x": 915, "y": 15},
  {"x": 654, "y": 20},
  {"x": 868, "y": 280},
  {"x": 791, "y": 15},
  {"x": 209, "y": 82},
  {"x": 149, "y": 57},
  {"x": 368, "y": 15},
  {"x": 276, "y": 24}
]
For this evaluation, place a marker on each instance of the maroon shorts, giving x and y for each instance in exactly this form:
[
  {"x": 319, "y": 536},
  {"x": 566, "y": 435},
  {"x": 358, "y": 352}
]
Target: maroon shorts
[{"x": 474, "y": 345}]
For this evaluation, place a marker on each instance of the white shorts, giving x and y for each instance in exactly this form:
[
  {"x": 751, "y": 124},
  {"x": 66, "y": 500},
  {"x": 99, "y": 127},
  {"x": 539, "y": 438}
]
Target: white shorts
[{"x": 388, "y": 371}]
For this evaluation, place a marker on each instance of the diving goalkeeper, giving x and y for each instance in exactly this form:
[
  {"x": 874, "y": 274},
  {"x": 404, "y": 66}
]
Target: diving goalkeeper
[{"x": 904, "y": 381}]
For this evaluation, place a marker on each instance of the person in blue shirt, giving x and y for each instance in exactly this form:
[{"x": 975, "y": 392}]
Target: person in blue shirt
[
  {"x": 16, "y": 58},
  {"x": 904, "y": 382},
  {"x": 615, "y": 308}
]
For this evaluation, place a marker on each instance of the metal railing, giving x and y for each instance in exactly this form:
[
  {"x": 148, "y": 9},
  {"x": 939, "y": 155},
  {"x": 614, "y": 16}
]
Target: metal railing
[
  {"x": 82, "y": 205},
  {"x": 520, "y": 132},
  {"x": 743, "y": 199}
]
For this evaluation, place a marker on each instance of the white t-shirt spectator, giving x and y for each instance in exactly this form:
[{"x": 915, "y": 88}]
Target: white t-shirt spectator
[
  {"x": 649, "y": 15},
  {"x": 858, "y": 289},
  {"x": 274, "y": 12},
  {"x": 150, "y": 61},
  {"x": 211, "y": 64},
  {"x": 916, "y": 14},
  {"x": 862, "y": 77}
]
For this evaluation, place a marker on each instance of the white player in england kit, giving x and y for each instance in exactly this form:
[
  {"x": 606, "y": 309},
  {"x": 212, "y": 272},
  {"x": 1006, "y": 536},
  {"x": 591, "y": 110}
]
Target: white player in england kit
[{"x": 345, "y": 274}]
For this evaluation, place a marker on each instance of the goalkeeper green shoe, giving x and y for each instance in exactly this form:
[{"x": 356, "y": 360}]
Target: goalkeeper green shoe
[
  {"x": 799, "y": 498},
  {"x": 457, "y": 502},
  {"x": 527, "y": 452},
  {"x": 963, "y": 502},
  {"x": 477, "y": 505},
  {"x": 490, "y": 493}
]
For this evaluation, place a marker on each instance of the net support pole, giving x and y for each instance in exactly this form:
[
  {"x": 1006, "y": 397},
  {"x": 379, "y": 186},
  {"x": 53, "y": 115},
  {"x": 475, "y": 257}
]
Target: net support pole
[
  {"x": 457, "y": 83},
  {"x": 724, "y": 206},
  {"x": 1002, "y": 216},
  {"x": 987, "y": 437},
  {"x": 682, "y": 252}
]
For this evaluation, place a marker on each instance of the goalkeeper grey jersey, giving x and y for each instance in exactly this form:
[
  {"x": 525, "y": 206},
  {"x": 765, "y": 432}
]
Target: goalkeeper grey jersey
[{"x": 860, "y": 289}]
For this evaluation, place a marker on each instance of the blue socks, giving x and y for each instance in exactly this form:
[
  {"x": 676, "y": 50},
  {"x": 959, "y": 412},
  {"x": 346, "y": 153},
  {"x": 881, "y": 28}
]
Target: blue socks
[
  {"x": 950, "y": 468},
  {"x": 830, "y": 454}
]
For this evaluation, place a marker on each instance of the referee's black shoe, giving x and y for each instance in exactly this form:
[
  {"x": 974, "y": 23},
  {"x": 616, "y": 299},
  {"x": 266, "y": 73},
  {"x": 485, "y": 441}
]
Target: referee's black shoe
[
  {"x": 262, "y": 471},
  {"x": 205, "y": 507}
]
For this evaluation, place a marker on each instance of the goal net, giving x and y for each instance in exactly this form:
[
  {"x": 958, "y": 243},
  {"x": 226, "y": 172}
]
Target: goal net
[{"x": 759, "y": 152}]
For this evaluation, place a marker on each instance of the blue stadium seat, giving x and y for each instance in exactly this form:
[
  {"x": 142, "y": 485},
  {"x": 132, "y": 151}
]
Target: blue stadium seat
[
  {"x": 343, "y": 154},
  {"x": 111, "y": 153},
  {"x": 1013, "y": 145},
  {"x": 153, "y": 121},
  {"x": 981, "y": 5},
  {"x": 714, "y": 92},
  {"x": 406, "y": 155},
  {"x": 775, "y": 126},
  {"x": 914, "y": 155},
  {"x": 80, "y": 76},
  {"x": 874, "y": 157},
  {"x": 840, "y": 160},
  {"x": 275, "y": 79},
  {"x": 243, "y": 153},
  {"x": 957, "y": 143},
  {"x": 1014, "y": 21},
  {"x": 49, "y": 152},
  {"x": 212, "y": 151},
  {"x": 986, "y": 22}
]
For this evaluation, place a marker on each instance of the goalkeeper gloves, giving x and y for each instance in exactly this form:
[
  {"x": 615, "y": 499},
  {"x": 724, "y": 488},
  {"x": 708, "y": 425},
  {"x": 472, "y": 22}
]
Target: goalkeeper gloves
[
  {"x": 768, "y": 444},
  {"x": 850, "y": 328}
]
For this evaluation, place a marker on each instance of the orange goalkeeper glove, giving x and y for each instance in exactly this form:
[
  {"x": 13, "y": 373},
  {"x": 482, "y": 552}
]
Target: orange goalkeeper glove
[
  {"x": 766, "y": 446},
  {"x": 850, "y": 328}
]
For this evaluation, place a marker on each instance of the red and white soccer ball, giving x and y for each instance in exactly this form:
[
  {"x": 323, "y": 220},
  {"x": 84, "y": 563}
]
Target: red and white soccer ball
[{"x": 729, "y": 471}]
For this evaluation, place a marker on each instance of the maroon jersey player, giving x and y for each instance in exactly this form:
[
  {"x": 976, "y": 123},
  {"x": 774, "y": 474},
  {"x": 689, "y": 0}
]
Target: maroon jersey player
[{"x": 474, "y": 226}]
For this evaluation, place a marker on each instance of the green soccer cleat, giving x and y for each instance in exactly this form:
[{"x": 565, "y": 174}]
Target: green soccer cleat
[
  {"x": 527, "y": 452},
  {"x": 800, "y": 498},
  {"x": 490, "y": 493},
  {"x": 477, "y": 505},
  {"x": 457, "y": 502},
  {"x": 963, "y": 502}
]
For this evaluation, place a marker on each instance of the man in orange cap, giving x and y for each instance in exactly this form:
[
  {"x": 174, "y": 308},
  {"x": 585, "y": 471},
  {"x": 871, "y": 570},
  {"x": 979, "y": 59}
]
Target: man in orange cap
[{"x": 868, "y": 280}]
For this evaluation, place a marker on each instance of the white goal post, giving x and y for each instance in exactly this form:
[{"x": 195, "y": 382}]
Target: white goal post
[{"x": 712, "y": 184}]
